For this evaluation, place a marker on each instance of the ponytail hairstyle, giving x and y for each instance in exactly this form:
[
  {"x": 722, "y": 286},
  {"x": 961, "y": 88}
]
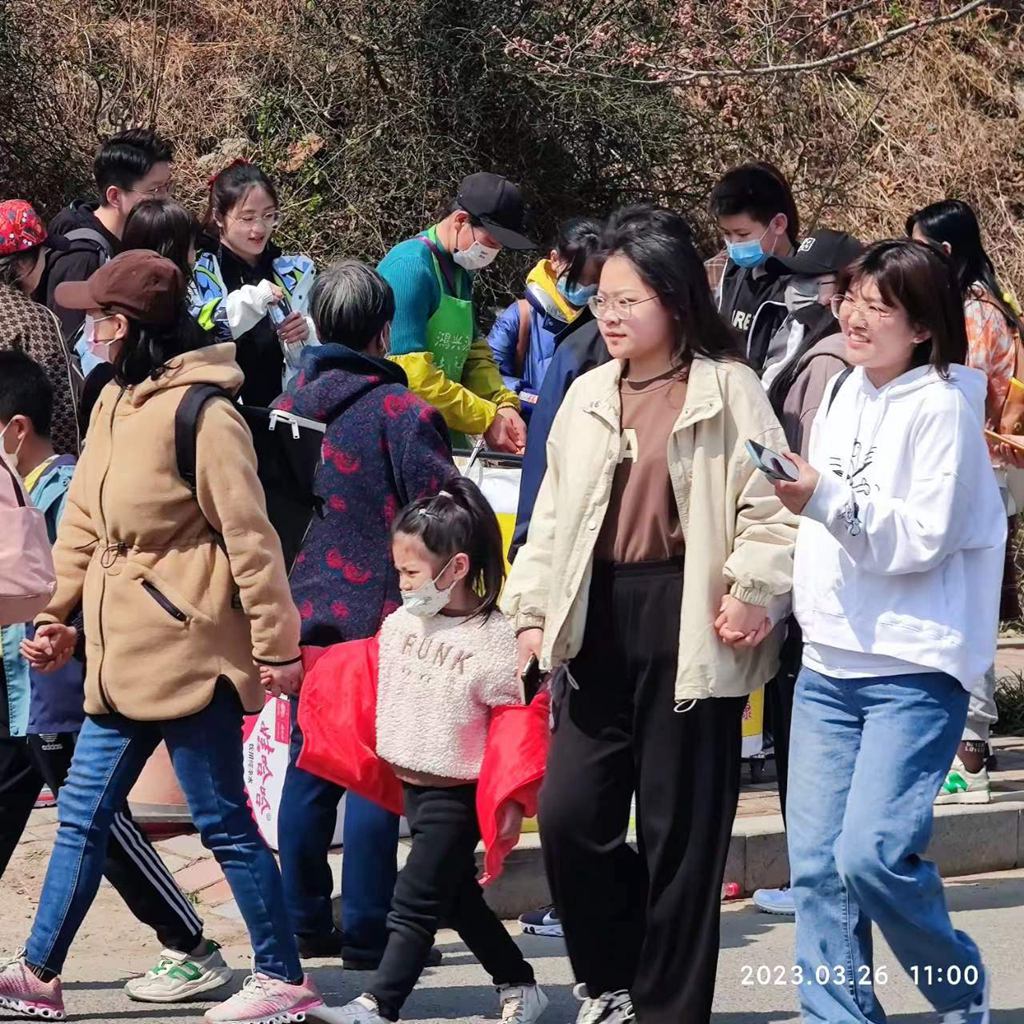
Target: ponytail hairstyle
[
  {"x": 229, "y": 187},
  {"x": 459, "y": 520}
]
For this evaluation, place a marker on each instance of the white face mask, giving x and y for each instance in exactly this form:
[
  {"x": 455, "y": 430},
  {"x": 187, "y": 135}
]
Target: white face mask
[
  {"x": 476, "y": 257},
  {"x": 12, "y": 456},
  {"x": 428, "y": 600},
  {"x": 801, "y": 292},
  {"x": 100, "y": 349}
]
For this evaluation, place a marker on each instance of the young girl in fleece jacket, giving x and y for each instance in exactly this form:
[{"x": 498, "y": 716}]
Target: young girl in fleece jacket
[{"x": 447, "y": 659}]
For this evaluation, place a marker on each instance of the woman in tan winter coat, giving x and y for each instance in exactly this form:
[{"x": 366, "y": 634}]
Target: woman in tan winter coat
[
  {"x": 654, "y": 563},
  {"x": 183, "y": 595}
]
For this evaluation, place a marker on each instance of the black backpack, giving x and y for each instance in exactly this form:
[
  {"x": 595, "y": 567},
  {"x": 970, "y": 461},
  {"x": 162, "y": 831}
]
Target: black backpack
[{"x": 288, "y": 454}]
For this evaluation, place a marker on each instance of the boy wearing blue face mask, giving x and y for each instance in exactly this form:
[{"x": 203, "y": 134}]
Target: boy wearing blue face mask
[
  {"x": 757, "y": 218},
  {"x": 524, "y": 338}
]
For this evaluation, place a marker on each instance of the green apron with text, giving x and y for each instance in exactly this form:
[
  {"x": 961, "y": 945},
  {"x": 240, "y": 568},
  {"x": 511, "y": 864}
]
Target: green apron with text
[{"x": 452, "y": 328}]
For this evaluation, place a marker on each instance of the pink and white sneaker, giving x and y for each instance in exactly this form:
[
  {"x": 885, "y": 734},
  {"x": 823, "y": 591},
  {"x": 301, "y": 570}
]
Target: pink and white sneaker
[
  {"x": 24, "y": 993},
  {"x": 264, "y": 1000}
]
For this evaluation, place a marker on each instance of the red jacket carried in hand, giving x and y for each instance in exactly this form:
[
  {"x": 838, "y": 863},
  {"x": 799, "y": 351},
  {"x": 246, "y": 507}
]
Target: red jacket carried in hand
[{"x": 338, "y": 718}]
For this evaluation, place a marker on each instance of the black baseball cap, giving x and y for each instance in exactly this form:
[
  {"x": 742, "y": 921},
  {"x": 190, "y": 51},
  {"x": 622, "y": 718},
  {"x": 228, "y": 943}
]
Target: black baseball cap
[
  {"x": 823, "y": 252},
  {"x": 498, "y": 205}
]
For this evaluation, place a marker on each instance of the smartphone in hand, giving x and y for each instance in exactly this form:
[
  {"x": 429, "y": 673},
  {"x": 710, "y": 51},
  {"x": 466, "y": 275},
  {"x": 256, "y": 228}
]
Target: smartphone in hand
[
  {"x": 771, "y": 463},
  {"x": 532, "y": 678}
]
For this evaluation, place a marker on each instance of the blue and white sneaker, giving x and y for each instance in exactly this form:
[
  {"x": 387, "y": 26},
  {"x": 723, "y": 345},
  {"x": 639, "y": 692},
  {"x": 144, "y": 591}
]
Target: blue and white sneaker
[
  {"x": 775, "y": 901},
  {"x": 976, "y": 1013},
  {"x": 542, "y": 922}
]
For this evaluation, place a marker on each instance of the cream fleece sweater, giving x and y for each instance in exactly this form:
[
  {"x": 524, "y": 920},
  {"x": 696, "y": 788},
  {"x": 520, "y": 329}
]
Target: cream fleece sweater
[{"x": 439, "y": 678}]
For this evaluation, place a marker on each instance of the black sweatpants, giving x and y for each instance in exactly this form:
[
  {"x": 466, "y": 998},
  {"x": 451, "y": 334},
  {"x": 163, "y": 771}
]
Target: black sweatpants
[
  {"x": 132, "y": 866},
  {"x": 439, "y": 882},
  {"x": 646, "y": 920}
]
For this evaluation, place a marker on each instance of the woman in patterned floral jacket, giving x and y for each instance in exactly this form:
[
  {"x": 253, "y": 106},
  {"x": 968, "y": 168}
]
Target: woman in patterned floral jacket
[{"x": 384, "y": 448}]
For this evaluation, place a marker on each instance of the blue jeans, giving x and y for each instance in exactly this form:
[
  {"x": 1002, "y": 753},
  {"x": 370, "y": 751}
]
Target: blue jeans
[
  {"x": 867, "y": 759},
  {"x": 206, "y": 751},
  {"x": 309, "y": 810}
]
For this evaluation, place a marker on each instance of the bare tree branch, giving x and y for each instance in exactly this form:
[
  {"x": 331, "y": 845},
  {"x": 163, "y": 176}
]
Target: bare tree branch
[{"x": 669, "y": 77}]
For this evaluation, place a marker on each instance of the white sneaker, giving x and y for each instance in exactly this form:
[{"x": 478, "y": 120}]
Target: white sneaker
[
  {"x": 266, "y": 1000},
  {"x": 964, "y": 787},
  {"x": 607, "y": 1008},
  {"x": 521, "y": 1004},
  {"x": 178, "y": 977},
  {"x": 362, "y": 1010},
  {"x": 976, "y": 1013}
]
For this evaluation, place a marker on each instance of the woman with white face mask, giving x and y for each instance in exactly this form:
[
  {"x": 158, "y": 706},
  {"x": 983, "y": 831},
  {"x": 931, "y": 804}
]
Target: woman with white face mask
[{"x": 435, "y": 335}]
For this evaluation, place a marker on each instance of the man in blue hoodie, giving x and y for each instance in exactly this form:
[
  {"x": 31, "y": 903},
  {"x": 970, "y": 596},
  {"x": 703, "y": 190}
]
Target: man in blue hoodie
[{"x": 40, "y": 720}]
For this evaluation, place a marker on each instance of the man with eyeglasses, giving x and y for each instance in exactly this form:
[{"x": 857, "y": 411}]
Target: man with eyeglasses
[{"x": 129, "y": 168}]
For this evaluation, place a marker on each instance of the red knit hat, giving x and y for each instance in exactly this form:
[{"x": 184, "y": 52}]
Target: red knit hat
[{"x": 21, "y": 227}]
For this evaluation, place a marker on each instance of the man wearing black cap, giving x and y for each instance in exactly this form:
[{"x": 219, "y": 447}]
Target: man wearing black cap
[{"x": 434, "y": 336}]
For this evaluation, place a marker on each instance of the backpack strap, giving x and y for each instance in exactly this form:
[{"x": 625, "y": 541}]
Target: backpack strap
[
  {"x": 90, "y": 235},
  {"x": 840, "y": 380},
  {"x": 186, "y": 421}
]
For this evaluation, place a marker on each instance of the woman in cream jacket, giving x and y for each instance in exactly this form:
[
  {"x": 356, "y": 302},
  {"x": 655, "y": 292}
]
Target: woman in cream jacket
[{"x": 655, "y": 558}]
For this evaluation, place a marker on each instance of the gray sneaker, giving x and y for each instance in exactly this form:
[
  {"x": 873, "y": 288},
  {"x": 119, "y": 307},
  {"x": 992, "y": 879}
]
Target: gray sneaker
[
  {"x": 179, "y": 977},
  {"x": 607, "y": 1008}
]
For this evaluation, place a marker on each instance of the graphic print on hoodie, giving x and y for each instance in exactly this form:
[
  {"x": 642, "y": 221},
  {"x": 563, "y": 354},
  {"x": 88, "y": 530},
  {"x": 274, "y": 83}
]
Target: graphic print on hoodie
[
  {"x": 900, "y": 548},
  {"x": 383, "y": 449}
]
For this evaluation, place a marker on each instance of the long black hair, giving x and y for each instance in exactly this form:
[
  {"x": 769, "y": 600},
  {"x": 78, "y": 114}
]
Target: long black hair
[
  {"x": 920, "y": 278},
  {"x": 659, "y": 244},
  {"x": 165, "y": 227},
  {"x": 459, "y": 519},
  {"x": 149, "y": 348},
  {"x": 954, "y": 222}
]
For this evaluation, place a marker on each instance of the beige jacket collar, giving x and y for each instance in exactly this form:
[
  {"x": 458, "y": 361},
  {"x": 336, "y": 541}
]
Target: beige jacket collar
[{"x": 703, "y": 397}]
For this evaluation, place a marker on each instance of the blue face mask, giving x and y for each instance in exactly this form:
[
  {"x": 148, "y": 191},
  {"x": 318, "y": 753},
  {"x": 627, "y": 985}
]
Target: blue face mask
[
  {"x": 576, "y": 295},
  {"x": 747, "y": 254}
]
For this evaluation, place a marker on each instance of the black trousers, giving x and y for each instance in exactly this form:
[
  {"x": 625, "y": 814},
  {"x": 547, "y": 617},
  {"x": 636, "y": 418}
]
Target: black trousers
[
  {"x": 779, "y": 698},
  {"x": 646, "y": 920},
  {"x": 132, "y": 866},
  {"x": 439, "y": 882}
]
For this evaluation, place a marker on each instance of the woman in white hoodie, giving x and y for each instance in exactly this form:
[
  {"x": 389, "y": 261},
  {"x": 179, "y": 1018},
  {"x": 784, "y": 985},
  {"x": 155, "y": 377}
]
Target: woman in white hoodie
[{"x": 896, "y": 587}]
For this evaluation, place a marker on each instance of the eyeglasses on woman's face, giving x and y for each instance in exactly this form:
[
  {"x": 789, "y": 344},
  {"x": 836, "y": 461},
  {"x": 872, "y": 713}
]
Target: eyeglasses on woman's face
[
  {"x": 605, "y": 308},
  {"x": 268, "y": 220},
  {"x": 844, "y": 307}
]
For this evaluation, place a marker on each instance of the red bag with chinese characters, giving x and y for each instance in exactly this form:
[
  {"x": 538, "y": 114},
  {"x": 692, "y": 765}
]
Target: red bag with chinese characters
[{"x": 338, "y": 718}]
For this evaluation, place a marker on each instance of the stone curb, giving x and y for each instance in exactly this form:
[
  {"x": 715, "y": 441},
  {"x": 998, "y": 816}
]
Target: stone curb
[{"x": 967, "y": 840}]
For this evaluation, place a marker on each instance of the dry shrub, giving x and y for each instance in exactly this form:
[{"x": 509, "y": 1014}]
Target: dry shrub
[{"x": 371, "y": 110}]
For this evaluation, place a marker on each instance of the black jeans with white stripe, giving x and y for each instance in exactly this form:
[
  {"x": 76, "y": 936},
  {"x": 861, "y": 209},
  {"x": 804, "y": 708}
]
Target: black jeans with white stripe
[{"x": 132, "y": 866}]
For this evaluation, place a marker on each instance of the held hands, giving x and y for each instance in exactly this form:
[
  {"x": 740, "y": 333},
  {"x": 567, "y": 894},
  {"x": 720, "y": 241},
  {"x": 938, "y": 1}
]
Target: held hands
[
  {"x": 795, "y": 495},
  {"x": 510, "y": 822},
  {"x": 51, "y": 648},
  {"x": 294, "y": 329},
  {"x": 282, "y": 680},
  {"x": 740, "y": 624},
  {"x": 507, "y": 432}
]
